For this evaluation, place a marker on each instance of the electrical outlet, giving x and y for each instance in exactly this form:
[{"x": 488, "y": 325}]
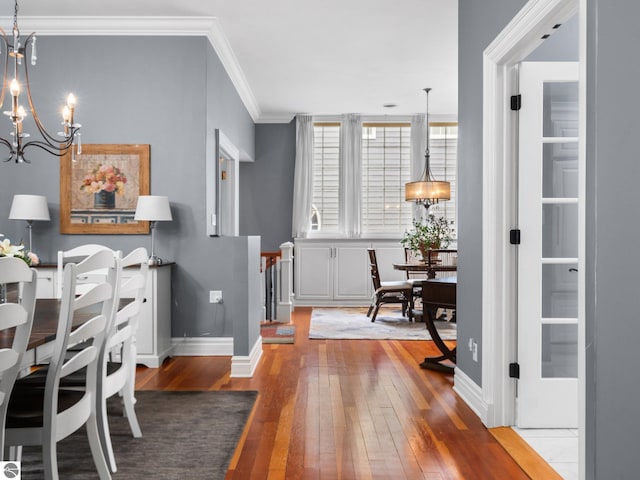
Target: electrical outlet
[
  {"x": 474, "y": 352},
  {"x": 471, "y": 342},
  {"x": 215, "y": 296}
]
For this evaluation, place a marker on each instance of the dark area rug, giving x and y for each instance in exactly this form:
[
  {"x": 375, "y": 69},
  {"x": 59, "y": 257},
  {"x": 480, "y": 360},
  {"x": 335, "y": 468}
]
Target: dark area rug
[{"x": 185, "y": 435}]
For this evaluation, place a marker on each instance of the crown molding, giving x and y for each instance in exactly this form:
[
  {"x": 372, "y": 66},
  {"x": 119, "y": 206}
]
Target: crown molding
[{"x": 147, "y": 26}]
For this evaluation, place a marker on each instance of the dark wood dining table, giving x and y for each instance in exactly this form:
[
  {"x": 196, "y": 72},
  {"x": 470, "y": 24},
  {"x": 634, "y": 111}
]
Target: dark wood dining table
[
  {"x": 44, "y": 329},
  {"x": 421, "y": 267}
]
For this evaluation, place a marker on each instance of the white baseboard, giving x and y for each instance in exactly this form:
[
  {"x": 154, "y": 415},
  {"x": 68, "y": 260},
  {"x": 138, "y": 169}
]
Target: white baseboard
[
  {"x": 244, "y": 366},
  {"x": 471, "y": 393},
  {"x": 202, "y": 346}
]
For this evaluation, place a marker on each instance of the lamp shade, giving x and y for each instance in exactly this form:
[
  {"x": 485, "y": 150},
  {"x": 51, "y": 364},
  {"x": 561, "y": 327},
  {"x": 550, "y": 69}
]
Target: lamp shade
[
  {"x": 153, "y": 208},
  {"x": 427, "y": 190},
  {"x": 29, "y": 207}
]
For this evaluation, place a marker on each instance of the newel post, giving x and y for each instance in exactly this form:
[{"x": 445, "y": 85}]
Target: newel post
[{"x": 285, "y": 297}]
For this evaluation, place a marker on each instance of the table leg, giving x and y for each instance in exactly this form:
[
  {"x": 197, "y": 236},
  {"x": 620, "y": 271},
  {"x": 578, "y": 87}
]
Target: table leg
[{"x": 448, "y": 354}]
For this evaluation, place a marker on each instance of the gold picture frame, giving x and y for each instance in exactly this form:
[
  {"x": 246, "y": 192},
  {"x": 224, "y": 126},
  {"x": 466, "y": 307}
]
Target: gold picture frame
[{"x": 99, "y": 189}]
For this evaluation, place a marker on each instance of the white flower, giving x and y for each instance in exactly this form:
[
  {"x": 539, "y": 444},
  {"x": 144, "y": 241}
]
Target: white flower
[{"x": 8, "y": 250}]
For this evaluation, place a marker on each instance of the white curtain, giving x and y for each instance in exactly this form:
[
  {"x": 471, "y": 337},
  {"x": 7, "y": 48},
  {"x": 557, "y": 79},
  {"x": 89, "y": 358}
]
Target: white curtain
[
  {"x": 418, "y": 147},
  {"x": 350, "y": 190},
  {"x": 303, "y": 177}
]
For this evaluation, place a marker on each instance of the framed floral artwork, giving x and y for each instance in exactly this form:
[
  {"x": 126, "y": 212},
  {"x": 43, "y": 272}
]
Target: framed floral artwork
[{"x": 99, "y": 189}]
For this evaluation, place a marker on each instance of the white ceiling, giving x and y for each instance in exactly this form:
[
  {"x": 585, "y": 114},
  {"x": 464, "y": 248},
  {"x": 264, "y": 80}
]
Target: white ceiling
[{"x": 322, "y": 57}]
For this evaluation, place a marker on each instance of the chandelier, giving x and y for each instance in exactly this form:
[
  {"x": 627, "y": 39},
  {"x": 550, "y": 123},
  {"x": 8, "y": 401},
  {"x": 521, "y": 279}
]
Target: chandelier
[
  {"x": 427, "y": 191},
  {"x": 15, "y": 53}
]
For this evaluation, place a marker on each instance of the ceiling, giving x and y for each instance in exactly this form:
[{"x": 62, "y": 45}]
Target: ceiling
[{"x": 324, "y": 57}]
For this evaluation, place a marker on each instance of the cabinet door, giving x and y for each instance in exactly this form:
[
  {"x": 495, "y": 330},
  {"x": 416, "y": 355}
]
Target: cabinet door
[
  {"x": 46, "y": 287},
  {"x": 314, "y": 272},
  {"x": 352, "y": 276}
]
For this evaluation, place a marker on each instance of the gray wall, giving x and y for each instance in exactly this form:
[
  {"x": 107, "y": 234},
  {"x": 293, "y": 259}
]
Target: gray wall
[
  {"x": 479, "y": 23},
  {"x": 266, "y": 205},
  {"x": 166, "y": 92},
  {"x": 562, "y": 46},
  {"x": 613, "y": 236}
]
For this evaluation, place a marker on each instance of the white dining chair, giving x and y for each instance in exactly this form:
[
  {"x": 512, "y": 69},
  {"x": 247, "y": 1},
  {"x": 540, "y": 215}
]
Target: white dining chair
[
  {"x": 119, "y": 372},
  {"x": 76, "y": 255},
  {"x": 44, "y": 416},
  {"x": 117, "y": 366},
  {"x": 18, "y": 315}
]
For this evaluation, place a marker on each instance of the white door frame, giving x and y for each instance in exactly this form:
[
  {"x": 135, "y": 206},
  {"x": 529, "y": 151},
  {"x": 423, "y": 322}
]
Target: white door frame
[{"x": 499, "y": 208}]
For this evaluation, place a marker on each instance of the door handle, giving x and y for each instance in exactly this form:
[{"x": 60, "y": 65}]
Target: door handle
[{"x": 573, "y": 269}]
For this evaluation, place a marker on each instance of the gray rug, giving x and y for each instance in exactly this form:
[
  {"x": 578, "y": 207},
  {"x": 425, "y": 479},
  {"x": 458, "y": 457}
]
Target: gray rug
[
  {"x": 185, "y": 435},
  {"x": 352, "y": 323}
]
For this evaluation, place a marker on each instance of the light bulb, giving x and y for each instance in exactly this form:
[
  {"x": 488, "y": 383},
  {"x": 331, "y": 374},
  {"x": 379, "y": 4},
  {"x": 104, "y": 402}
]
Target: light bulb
[
  {"x": 71, "y": 101},
  {"x": 66, "y": 114},
  {"x": 14, "y": 88}
]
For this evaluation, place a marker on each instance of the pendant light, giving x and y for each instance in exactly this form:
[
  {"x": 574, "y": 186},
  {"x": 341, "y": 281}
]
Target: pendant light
[{"x": 427, "y": 191}]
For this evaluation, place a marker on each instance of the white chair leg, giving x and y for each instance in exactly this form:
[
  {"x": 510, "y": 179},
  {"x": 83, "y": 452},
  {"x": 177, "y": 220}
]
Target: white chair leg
[
  {"x": 96, "y": 449},
  {"x": 49, "y": 457},
  {"x": 102, "y": 421},
  {"x": 129, "y": 401},
  {"x": 13, "y": 452}
]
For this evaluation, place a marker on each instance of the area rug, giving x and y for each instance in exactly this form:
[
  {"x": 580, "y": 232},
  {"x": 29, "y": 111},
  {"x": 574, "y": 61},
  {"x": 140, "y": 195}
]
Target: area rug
[
  {"x": 352, "y": 323},
  {"x": 275, "y": 332},
  {"x": 185, "y": 435}
]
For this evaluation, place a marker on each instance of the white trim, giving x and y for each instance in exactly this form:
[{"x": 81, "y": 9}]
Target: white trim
[
  {"x": 147, "y": 26},
  {"x": 519, "y": 38},
  {"x": 244, "y": 366},
  {"x": 202, "y": 346},
  {"x": 471, "y": 393}
]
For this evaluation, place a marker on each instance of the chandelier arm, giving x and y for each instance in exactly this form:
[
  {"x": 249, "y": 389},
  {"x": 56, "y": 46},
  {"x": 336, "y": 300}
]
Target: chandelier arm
[
  {"x": 49, "y": 139},
  {"x": 6, "y": 65},
  {"x": 12, "y": 152},
  {"x": 59, "y": 151}
]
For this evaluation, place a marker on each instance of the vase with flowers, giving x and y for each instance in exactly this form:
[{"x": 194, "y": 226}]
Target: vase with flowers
[
  {"x": 7, "y": 249},
  {"x": 104, "y": 182},
  {"x": 432, "y": 234}
]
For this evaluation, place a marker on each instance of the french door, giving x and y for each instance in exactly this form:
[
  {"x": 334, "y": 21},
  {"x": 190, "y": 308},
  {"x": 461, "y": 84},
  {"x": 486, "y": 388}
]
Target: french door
[{"x": 547, "y": 392}]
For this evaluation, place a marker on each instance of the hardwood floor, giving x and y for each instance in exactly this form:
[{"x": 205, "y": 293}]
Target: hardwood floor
[{"x": 346, "y": 409}]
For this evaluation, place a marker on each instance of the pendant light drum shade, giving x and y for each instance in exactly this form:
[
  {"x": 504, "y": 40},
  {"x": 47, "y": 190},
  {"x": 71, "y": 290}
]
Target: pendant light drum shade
[{"x": 427, "y": 190}]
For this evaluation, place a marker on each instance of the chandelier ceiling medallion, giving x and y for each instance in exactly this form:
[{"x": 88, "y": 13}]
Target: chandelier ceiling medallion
[
  {"x": 15, "y": 53},
  {"x": 428, "y": 190}
]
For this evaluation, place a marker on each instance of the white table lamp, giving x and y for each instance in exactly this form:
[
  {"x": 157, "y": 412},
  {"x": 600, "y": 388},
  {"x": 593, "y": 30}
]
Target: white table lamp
[
  {"x": 30, "y": 208},
  {"x": 153, "y": 208}
]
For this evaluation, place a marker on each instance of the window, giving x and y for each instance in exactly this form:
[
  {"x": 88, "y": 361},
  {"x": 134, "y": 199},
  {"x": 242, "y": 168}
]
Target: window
[
  {"x": 444, "y": 154},
  {"x": 385, "y": 169},
  {"x": 326, "y": 157},
  {"x": 386, "y": 159}
]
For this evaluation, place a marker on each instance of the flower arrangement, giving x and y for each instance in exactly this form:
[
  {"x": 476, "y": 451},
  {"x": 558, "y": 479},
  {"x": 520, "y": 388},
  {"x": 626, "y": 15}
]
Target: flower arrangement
[
  {"x": 104, "y": 178},
  {"x": 434, "y": 233},
  {"x": 9, "y": 250}
]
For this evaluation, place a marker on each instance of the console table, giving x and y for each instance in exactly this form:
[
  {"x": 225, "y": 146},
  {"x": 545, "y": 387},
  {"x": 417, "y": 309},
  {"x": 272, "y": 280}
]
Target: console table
[{"x": 153, "y": 339}]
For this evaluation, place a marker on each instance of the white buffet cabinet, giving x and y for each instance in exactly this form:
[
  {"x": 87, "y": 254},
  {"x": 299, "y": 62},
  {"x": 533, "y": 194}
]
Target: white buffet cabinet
[
  {"x": 336, "y": 272},
  {"x": 154, "y": 327}
]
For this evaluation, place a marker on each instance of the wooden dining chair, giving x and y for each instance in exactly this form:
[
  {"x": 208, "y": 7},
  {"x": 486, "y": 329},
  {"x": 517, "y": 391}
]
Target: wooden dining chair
[
  {"x": 18, "y": 315},
  {"x": 388, "y": 292},
  {"x": 44, "y": 415}
]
